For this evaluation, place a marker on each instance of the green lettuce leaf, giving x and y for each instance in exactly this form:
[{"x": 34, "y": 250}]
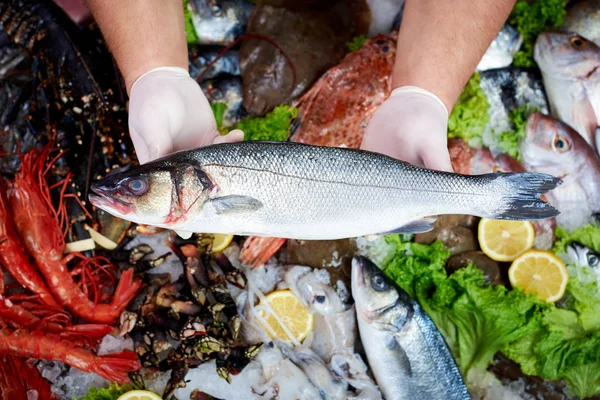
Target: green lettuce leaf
[
  {"x": 190, "y": 32},
  {"x": 357, "y": 42},
  {"x": 273, "y": 126},
  {"x": 587, "y": 235},
  {"x": 510, "y": 142},
  {"x": 530, "y": 18},
  {"x": 218, "y": 110},
  {"x": 470, "y": 116},
  {"x": 110, "y": 393}
]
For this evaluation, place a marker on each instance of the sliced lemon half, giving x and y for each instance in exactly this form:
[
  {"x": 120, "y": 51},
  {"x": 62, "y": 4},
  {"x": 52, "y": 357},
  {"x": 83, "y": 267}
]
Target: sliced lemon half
[
  {"x": 297, "y": 318},
  {"x": 503, "y": 240},
  {"x": 540, "y": 272},
  {"x": 139, "y": 395},
  {"x": 220, "y": 242}
]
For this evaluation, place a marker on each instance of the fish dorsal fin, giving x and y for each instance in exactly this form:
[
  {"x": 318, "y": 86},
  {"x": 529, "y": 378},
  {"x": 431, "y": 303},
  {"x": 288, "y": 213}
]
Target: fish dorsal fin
[
  {"x": 235, "y": 203},
  {"x": 418, "y": 226},
  {"x": 184, "y": 234}
]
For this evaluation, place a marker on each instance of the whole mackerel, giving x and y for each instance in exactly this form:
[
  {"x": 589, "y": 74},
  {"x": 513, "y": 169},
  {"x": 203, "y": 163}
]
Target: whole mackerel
[
  {"x": 305, "y": 192},
  {"x": 406, "y": 352}
]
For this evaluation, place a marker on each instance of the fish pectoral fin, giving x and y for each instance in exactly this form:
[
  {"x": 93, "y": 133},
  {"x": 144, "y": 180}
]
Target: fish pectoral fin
[
  {"x": 391, "y": 343},
  {"x": 235, "y": 203},
  {"x": 419, "y": 226},
  {"x": 184, "y": 234}
]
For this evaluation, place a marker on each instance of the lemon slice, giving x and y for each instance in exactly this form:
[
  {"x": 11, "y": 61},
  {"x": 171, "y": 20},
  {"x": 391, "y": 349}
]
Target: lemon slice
[
  {"x": 139, "y": 395},
  {"x": 297, "y": 318},
  {"x": 220, "y": 242},
  {"x": 503, "y": 240},
  {"x": 539, "y": 272}
]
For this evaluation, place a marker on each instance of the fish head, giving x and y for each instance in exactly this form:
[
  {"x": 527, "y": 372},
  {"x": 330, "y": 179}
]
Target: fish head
[
  {"x": 378, "y": 300},
  {"x": 582, "y": 255},
  {"x": 566, "y": 54},
  {"x": 265, "y": 84},
  {"x": 551, "y": 146},
  {"x": 155, "y": 193}
]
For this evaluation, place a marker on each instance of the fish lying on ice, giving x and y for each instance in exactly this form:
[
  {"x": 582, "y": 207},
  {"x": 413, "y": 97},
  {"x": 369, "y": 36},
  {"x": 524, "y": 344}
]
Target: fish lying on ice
[
  {"x": 299, "y": 191},
  {"x": 570, "y": 66},
  {"x": 501, "y": 51},
  {"x": 583, "y": 17},
  {"x": 406, "y": 352},
  {"x": 553, "y": 147}
]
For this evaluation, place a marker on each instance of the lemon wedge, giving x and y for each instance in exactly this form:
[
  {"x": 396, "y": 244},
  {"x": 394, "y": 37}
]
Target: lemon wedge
[
  {"x": 297, "y": 318},
  {"x": 139, "y": 395},
  {"x": 220, "y": 242},
  {"x": 539, "y": 272},
  {"x": 503, "y": 240}
]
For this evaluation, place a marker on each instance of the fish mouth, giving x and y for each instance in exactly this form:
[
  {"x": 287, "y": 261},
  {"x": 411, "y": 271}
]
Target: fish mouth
[{"x": 100, "y": 199}]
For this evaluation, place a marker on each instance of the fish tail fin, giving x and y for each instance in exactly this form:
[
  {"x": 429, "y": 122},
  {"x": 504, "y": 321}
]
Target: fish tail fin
[{"x": 521, "y": 193}]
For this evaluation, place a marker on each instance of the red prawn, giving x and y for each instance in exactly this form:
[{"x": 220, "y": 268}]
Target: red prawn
[
  {"x": 42, "y": 229},
  {"x": 48, "y": 346},
  {"x": 14, "y": 258}
]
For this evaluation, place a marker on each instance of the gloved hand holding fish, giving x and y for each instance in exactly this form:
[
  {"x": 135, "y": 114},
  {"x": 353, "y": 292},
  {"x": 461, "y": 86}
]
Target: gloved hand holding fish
[{"x": 300, "y": 191}]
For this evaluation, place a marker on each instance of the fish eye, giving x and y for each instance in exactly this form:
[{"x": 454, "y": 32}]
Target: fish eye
[
  {"x": 138, "y": 186},
  {"x": 592, "y": 259},
  {"x": 378, "y": 282},
  {"x": 578, "y": 42},
  {"x": 561, "y": 144},
  {"x": 320, "y": 299}
]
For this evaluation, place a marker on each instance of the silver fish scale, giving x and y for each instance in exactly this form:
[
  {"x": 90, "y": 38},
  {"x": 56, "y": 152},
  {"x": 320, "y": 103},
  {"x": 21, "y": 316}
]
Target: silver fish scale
[{"x": 320, "y": 187}]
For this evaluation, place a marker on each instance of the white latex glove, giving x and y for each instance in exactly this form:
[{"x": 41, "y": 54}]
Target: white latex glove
[
  {"x": 169, "y": 112},
  {"x": 411, "y": 125}
]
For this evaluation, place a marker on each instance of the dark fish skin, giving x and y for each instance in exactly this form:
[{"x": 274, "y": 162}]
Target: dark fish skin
[
  {"x": 227, "y": 64},
  {"x": 299, "y": 191},
  {"x": 226, "y": 90},
  {"x": 314, "y": 38},
  {"x": 406, "y": 352}
]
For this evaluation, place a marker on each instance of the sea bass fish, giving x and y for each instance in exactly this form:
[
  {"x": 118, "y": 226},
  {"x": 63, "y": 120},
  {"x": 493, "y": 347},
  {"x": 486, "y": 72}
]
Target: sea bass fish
[
  {"x": 570, "y": 66},
  {"x": 553, "y": 147},
  {"x": 501, "y": 51},
  {"x": 406, "y": 352},
  {"x": 298, "y": 191}
]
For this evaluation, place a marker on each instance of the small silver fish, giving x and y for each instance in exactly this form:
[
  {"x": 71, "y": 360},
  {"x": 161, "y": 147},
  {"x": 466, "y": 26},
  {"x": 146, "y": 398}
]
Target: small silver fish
[
  {"x": 570, "y": 66},
  {"x": 583, "y": 17},
  {"x": 219, "y": 22},
  {"x": 552, "y": 147},
  {"x": 583, "y": 256},
  {"x": 502, "y": 49},
  {"x": 406, "y": 352},
  {"x": 300, "y": 191},
  {"x": 506, "y": 90}
]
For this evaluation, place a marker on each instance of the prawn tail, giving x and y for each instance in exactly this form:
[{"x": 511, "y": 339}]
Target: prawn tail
[
  {"x": 126, "y": 290},
  {"x": 116, "y": 367}
]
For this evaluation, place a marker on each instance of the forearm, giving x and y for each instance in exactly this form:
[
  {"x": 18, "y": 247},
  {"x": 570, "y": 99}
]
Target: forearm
[
  {"x": 441, "y": 42},
  {"x": 142, "y": 35}
]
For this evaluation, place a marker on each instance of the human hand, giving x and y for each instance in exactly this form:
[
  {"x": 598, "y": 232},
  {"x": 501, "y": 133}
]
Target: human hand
[
  {"x": 411, "y": 125},
  {"x": 169, "y": 112}
]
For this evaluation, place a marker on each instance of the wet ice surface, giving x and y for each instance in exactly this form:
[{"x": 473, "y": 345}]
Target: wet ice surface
[
  {"x": 70, "y": 383},
  {"x": 158, "y": 242}
]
